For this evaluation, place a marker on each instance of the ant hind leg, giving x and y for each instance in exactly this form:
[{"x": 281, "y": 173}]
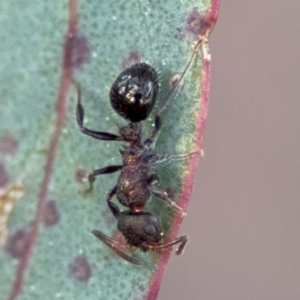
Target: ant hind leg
[
  {"x": 176, "y": 87},
  {"x": 105, "y": 136}
]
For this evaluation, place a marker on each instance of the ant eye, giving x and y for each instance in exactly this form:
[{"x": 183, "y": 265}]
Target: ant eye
[{"x": 150, "y": 230}]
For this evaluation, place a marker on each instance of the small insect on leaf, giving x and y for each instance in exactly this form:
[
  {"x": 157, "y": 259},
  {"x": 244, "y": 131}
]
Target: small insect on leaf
[{"x": 133, "y": 96}]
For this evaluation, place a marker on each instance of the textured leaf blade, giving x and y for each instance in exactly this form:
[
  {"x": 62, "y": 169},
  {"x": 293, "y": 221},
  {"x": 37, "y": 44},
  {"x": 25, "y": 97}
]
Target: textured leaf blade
[{"x": 50, "y": 251}]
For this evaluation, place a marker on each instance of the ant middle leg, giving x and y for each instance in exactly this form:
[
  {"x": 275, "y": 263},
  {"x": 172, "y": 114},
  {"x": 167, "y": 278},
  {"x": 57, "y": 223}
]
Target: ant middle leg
[
  {"x": 105, "y": 136},
  {"x": 157, "y": 159},
  {"x": 107, "y": 170}
]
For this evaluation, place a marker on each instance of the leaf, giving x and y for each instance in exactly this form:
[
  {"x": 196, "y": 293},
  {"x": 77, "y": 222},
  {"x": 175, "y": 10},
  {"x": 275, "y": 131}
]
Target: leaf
[{"x": 48, "y": 251}]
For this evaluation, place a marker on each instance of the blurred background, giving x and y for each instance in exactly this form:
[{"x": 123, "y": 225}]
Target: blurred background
[{"x": 244, "y": 216}]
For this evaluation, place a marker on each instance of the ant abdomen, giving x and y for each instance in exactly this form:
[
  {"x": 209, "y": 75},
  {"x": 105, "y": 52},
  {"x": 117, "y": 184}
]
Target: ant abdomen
[{"x": 134, "y": 92}]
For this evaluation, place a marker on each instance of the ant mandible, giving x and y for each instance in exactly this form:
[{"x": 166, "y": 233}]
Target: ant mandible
[{"x": 133, "y": 96}]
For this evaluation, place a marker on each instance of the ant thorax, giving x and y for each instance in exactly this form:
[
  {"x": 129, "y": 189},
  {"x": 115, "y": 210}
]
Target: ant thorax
[
  {"x": 134, "y": 155},
  {"x": 133, "y": 186}
]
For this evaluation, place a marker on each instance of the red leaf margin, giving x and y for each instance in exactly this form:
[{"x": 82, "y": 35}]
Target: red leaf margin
[{"x": 211, "y": 17}]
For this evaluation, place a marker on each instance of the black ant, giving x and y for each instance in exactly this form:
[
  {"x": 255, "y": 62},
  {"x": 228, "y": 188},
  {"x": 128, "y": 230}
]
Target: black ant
[{"x": 133, "y": 96}]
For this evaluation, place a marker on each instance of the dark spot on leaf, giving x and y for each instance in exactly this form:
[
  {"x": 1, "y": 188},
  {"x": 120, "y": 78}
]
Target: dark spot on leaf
[
  {"x": 80, "y": 175},
  {"x": 4, "y": 177},
  {"x": 141, "y": 288},
  {"x": 80, "y": 269},
  {"x": 50, "y": 213},
  {"x": 8, "y": 145},
  {"x": 197, "y": 24},
  {"x": 77, "y": 51},
  {"x": 133, "y": 58},
  {"x": 17, "y": 244}
]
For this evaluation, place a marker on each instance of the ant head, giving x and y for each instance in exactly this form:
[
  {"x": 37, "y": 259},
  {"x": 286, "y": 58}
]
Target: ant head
[
  {"x": 133, "y": 94},
  {"x": 140, "y": 229}
]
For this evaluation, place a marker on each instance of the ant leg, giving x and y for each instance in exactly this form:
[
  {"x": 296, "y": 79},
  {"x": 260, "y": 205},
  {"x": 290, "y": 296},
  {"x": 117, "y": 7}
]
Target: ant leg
[
  {"x": 155, "y": 160},
  {"x": 106, "y": 170},
  {"x": 171, "y": 94},
  {"x": 179, "y": 82},
  {"x": 182, "y": 241},
  {"x": 150, "y": 142},
  {"x": 113, "y": 245},
  {"x": 152, "y": 180},
  {"x": 113, "y": 207},
  {"x": 105, "y": 136},
  {"x": 164, "y": 196},
  {"x": 152, "y": 184}
]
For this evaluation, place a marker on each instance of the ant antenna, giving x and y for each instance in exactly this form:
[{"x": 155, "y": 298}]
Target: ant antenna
[{"x": 113, "y": 245}]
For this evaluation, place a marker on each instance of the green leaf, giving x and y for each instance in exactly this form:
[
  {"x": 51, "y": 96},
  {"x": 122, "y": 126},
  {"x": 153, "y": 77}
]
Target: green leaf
[{"x": 47, "y": 250}]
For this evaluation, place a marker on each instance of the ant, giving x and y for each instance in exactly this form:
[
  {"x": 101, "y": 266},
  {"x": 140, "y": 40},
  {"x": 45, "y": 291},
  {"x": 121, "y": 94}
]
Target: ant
[{"x": 133, "y": 96}]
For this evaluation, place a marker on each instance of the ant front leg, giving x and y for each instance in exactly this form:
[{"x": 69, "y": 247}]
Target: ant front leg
[
  {"x": 113, "y": 207},
  {"x": 104, "y": 136},
  {"x": 153, "y": 181},
  {"x": 106, "y": 170}
]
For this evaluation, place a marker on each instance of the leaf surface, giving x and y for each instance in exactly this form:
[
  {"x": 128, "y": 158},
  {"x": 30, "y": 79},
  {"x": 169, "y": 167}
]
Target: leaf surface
[{"x": 48, "y": 251}]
